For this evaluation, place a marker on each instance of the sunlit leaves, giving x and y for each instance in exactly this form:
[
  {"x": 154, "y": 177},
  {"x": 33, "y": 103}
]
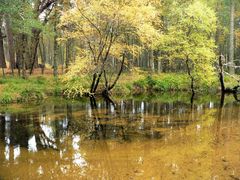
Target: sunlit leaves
[
  {"x": 107, "y": 29},
  {"x": 76, "y": 79},
  {"x": 190, "y": 36}
]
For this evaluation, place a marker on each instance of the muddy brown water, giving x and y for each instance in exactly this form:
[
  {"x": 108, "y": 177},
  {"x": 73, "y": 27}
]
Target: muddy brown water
[{"x": 139, "y": 139}]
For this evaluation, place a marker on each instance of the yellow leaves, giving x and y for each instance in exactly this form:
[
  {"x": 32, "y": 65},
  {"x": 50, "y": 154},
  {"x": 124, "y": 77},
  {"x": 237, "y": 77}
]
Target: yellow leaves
[
  {"x": 103, "y": 24},
  {"x": 148, "y": 35},
  {"x": 87, "y": 17},
  {"x": 105, "y": 30},
  {"x": 237, "y": 34},
  {"x": 76, "y": 79},
  {"x": 81, "y": 68}
]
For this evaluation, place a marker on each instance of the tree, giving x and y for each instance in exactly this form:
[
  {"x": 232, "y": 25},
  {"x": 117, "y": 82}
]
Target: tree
[
  {"x": 189, "y": 37},
  {"x": 2, "y": 56},
  {"x": 104, "y": 28},
  {"x": 10, "y": 43},
  {"x": 41, "y": 10},
  {"x": 19, "y": 21},
  {"x": 231, "y": 38}
]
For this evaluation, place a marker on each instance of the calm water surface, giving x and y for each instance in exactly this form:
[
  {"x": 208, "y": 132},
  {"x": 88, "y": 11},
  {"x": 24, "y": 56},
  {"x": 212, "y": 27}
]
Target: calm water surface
[{"x": 141, "y": 138}]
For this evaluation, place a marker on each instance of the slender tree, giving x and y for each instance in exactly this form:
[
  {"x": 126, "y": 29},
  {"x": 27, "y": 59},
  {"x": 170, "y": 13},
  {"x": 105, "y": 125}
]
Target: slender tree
[
  {"x": 2, "y": 56},
  {"x": 231, "y": 37},
  {"x": 11, "y": 45}
]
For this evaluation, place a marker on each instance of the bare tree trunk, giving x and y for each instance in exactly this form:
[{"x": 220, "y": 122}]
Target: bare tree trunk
[
  {"x": 43, "y": 55},
  {"x": 2, "y": 55},
  {"x": 56, "y": 50},
  {"x": 18, "y": 54},
  {"x": 68, "y": 53},
  {"x": 24, "y": 55},
  {"x": 118, "y": 75},
  {"x": 62, "y": 57},
  {"x": 93, "y": 82},
  {"x": 10, "y": 44},
  {"x": 221, "y": 75},
  {"x": 231, "y": 41},
  {"x": 151, "y": 60},
  {"x": 190, "y": 75},
  {"x": 33, "y": 50},
  {"x": 55, "y": 63},
  {"x": 159, "y": 66}
]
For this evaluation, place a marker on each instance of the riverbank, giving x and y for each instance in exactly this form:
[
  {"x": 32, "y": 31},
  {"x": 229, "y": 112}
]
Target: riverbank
[
  {"x": 35, "y": 88},
  {"x": 14, "y": 89}
]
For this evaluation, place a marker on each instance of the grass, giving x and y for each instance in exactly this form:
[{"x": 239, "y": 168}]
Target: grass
[
  {"x": 161, "y": 83},
  {"x": 14, "y": 89},
  {"x": 142, "y": 82}
]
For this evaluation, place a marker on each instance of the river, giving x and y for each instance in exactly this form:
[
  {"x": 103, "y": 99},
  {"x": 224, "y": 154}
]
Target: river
[{"x": 148, "y": 137}]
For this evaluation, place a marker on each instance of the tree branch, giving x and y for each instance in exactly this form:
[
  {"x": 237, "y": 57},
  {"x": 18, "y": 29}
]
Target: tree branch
[
  {"x": 119, "y": 74},
  {"x": 89, "y": 20},
  {"x": 45, "y": 5}
]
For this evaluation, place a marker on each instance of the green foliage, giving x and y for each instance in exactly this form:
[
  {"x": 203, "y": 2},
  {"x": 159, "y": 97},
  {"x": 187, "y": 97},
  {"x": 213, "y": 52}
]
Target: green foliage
[
  {"x": 29, "y": 95},
  {"x": 189, "y": 37},
  {"x": 21, "y": 90},
  {"x": 75, "y": 87},
  {"x": 21, "y": 15},
  {"x": 122, "y": 90},
  {"x": 163, "y": 82},
  {"x": 170, "y": 82},
  {"x": 6, "y": 98}
]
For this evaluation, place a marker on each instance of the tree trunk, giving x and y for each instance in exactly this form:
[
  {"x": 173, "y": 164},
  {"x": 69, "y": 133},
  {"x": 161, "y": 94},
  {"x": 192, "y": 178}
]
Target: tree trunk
[
  {"x": 18, "y": 54},
  {"x": 10, "y": 44},
  {"x": 118, "y": 75},
  {"x": 24, "y": 55},
  {"x": 159, "y": 66},
  {"x": 55, "y": 63},
  {"x": 151, "y": 60},
  {"x": 2, "y": 55},
  {"x": 43, "y": 55},
  {"x": 56, "y": 49},
  {"x": 62, "y": 58},
  {"x": 231, "y": 39},
  {"x": 221, "y": 75},
  {"x": 190, "y": 75},
  {"x": 68, "y": 53},
  {"x": 33, "y": 49}
]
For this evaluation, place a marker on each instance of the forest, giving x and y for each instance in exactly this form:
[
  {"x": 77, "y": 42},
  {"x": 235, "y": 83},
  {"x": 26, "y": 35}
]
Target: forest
[
  {"x": 119, "y": 89},
  {"x": 88, "y": 48}
]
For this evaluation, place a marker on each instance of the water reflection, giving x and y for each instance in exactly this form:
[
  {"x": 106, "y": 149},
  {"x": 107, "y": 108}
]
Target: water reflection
[
  {"x": 52, "y": 124},
  {"x": 133, "y": 137}
]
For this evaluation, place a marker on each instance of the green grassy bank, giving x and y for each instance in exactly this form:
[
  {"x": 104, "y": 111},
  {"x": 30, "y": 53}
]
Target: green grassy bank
[{"x": 14, "y": 89}]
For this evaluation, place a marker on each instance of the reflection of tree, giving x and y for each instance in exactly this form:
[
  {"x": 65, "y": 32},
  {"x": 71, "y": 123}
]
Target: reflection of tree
[
  {"x": 99, "y": 130},
  {"x": 235, "y": 95},
  {"x": 42, "y": 140},
  {"x": 98, "y": 120},
  {"x": 192, "y": 100},
  {"x": 25, "y": 126},
  {"x": 2, "y": 127},
  {"x": 134, "y": 119}
]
